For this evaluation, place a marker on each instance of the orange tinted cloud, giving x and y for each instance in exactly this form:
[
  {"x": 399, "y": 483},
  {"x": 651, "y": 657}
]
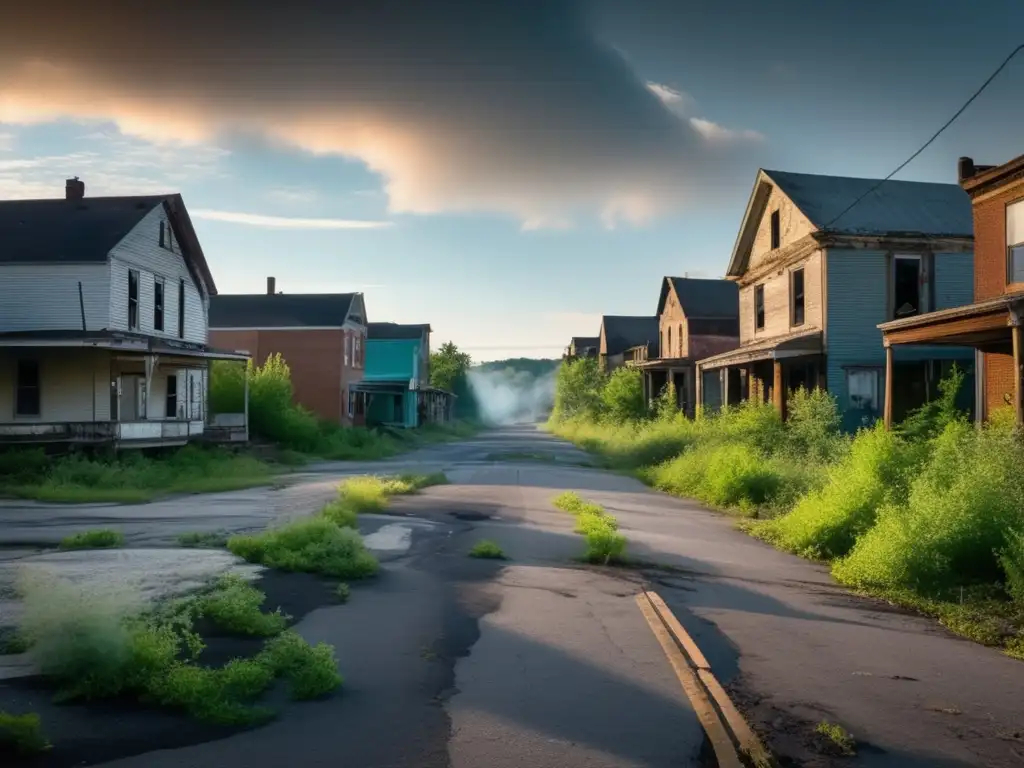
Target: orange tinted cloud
[{"x": 512, "y": 107}]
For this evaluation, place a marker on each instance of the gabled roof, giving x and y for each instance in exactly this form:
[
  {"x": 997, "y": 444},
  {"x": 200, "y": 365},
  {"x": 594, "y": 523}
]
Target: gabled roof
[
  {"x": 701, "y": 297},
  {"x": 393, "y": 331},
  {"x": 281, "y": 310},
  {"x": 579, "y": 342},
  {"x": 624, "y": 331},
  {"x": 895, "y": 208},
  {"x": 57, "y": 230}
]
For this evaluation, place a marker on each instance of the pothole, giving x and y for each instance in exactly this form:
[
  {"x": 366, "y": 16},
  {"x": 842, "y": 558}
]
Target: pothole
[{"x": 470, "y": 517}]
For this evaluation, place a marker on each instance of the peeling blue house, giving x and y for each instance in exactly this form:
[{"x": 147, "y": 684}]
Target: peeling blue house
[
  {"x": 396, "y": 378},
  {"x": 816, "y": 277}
]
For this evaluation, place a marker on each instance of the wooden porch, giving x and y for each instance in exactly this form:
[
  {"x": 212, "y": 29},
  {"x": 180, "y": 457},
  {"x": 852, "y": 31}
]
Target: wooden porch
[{"x": 991, "y": 326}]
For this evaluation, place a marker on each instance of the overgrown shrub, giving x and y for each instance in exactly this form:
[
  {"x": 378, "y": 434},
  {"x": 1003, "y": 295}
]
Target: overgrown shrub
[
  {"x": 313, "y": 545},
  {"x": 98, "y": 539},
  {"x": 237, "y": 606},
  {"x": 949, "y": 531},
  {"x": 487, "y": 550},
  {"x": 1011, "y": 558},
  {"x": 623, "y": 395},
  {"x": 311, "y": 671},
  {"x": 22, "y": 735}
]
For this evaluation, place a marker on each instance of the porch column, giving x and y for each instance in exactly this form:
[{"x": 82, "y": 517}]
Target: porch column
[
  {"x": 149, "y": 366},
  {"x": 723, "y": 383},
  {"x": 887, "y": 407},
  {"x": 698, "y": 388},
  {"x": 1018, "y": 391},
  {"x": 778, "y": 392},
  {"x": 245, "y": 379}
]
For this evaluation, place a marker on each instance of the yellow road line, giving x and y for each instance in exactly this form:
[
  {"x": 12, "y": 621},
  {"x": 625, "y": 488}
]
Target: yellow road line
[
  {"x": 744, "y": 735},
  {"x": 725, "y": 752}
]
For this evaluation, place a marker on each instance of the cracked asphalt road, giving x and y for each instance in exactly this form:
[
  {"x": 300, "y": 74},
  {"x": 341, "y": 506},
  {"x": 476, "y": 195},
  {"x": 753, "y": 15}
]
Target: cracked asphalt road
[{"x": 536, "y": 662}]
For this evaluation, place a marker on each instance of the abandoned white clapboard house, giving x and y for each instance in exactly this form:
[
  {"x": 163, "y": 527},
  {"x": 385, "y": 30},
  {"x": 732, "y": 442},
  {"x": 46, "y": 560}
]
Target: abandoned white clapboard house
[{"x": 103, "y": 323}]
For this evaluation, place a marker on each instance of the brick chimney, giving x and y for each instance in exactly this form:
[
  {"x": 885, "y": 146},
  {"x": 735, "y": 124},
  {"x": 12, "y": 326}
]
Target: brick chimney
[
  {"x": 74, "y": 189},
  {"x": 271, "y": 285}
]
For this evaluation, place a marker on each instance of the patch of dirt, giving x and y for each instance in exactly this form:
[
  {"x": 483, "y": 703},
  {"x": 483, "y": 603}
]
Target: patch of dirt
[{"x": 96, "y": 732}]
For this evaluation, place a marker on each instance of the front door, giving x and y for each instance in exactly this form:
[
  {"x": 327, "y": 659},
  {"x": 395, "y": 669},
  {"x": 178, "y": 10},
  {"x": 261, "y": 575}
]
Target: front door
[{"x": 133, "y": 398}]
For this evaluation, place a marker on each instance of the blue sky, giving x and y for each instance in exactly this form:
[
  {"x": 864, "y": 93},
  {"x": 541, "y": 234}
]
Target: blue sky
[{"x": 506, "y": 175}]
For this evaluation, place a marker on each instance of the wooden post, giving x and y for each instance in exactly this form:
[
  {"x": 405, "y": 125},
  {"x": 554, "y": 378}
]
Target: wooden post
[
  {"x": 778, "y": 391},
  {"x": 698, "y": 386},
  {"x": 887, "y": 408},
  {"x": 1018, "y": 390}
]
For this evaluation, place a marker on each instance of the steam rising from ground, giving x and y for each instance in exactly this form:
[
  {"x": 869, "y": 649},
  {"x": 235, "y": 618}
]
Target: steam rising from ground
[{"x": 508, "y": 396}]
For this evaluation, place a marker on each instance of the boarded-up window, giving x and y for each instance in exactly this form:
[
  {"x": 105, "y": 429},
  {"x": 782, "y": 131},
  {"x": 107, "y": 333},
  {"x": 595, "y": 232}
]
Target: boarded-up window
[
  {"x": 759, "y": 307},
  {"x": 1015, "y": 241},
  {"x": 133, "y": 299},
  {"x": 27, "y": 399},
  {"x": 797, "y": 296}
]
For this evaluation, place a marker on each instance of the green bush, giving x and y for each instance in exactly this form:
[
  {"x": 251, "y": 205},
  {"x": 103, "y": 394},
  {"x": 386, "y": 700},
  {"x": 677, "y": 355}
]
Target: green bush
[
  {"x": 623, "y": 395},
  {"x": 949, "y": 531},
  {"x": 22, "y": 734},
  {"x": 1011, "y": 558},
  {"x": 314, "y": 545},
  {"x": 99, "y": 539},
  {"x": 311, "y": 671},
  {"x": 826, "y": 522},
  {"x": 235, "y": 605},
  {"x": 203, "y": 540},
  {"x": 342, "y": 592}
]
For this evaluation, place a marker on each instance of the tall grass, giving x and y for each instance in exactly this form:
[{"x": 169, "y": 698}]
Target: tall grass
[
  {"x": 128, "y": 477},
  {"x": 930, "y": 514}
]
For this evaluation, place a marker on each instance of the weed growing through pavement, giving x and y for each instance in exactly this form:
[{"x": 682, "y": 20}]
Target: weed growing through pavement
[
  {"x": 837, "y": 735},
  {"x": 236, "y": 606},
  {"x": 99, "y": 539},
  {"x": 12, "y": 642},
  {"x": 342, "y": 592},
  {"x": 605, "y": 545},
  {"x": 203, "y": 540},
  {"x": 314, "y": 545},
  {"x": 22, "y": 735},
  {"x": 487, "y": 550},
  {"x": 94, "y": 647}
]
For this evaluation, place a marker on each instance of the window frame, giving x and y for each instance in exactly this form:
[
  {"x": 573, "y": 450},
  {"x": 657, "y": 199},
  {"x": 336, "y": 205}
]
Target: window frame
[
  {"x": 181, "y": 308},
  {"x": 346, "y": 346},
  {"x": 878, "y": 372},
  {"x": 159, "y": 303},
  {"x": 171, "y": 411},
  {"x": 759, "y": 294},
  {"x": 133, "y": 303},
  {"x": 792, "y": 297},
  {"x": 19, "y": 387},
  {"x": 922, "y": 293},
  {"x": 775, "y": 230},
  {"x": 1011, "y": 246}
]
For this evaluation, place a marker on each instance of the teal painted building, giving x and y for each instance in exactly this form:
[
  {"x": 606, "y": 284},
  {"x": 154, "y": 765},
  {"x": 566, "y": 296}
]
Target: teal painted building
[
  {"x": 396, "y": 378},
  {"x": 820, "y": 262}
]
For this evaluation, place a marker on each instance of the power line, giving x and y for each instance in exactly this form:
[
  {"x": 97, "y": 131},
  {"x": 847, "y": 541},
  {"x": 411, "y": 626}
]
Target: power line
[{"x": 928, "y": 143}]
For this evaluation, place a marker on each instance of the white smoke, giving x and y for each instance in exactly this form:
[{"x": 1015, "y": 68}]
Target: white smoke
[{"x": 508, "y": 396}]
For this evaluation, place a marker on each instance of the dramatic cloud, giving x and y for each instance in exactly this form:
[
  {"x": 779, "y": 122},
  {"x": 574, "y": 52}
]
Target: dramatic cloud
[
  {"x": 512, "y": 106},
  {"x": 284, "y": 222},
  {"x": 683, "y": 105}
]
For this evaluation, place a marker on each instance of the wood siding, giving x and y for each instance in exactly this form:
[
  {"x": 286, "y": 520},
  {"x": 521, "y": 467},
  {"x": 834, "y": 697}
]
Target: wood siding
[
  {"x": 777, "y": 307},
  {"x": 859, "y": 300},
  {"x": 74, "y": 385},
  {"x": 672, "y": 318},
  {"x": 141, "y": 250},
  {"x": 792, "y": 226},
  {"x": 44, "y": 297}
]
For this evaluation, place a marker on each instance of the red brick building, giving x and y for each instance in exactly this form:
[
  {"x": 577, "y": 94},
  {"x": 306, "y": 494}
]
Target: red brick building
[
  {"x": 993, "y": 323},
  {"x": 322, "y": 337}
]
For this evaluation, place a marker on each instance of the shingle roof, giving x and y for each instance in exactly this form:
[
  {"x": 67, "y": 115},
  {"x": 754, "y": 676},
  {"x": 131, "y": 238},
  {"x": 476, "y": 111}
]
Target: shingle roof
[
  {"x": 703, "y": 298},
  {"x": 624, "y": 331},
  {"x": 279, "y": 310},
  {"x": 396, "y": 330},
  {"x": 61, "y": 230},
  {"x": 896, "y": 206},
  {"x": 579, "y": 342}
]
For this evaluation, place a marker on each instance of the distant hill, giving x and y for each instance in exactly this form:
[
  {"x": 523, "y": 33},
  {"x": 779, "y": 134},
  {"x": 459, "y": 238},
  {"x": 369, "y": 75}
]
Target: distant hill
[{"x": 530, "y": 365}]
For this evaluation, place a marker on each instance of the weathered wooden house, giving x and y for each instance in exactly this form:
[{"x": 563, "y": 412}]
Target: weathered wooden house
[
  {"x": 697, "y": 318},
  {"x": 396, "y": 383},
  {"x": 820, "y": 262},
  {"x": 626, "y": 338},
  {"x": 103, "y": 323},
  {"x": 993, "y": 325}
]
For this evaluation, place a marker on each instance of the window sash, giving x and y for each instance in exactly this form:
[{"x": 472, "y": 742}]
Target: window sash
[
  {"x": 158, "y": 305},
  {"x": 797, "y": 291},
  {"x": 171, "y": 399},
  {"x": 759, "y": 314},
  {"x": 1017, "y": 263},
  {"x": 133, "y": 299},
  {"x": 862, "y": 385}
]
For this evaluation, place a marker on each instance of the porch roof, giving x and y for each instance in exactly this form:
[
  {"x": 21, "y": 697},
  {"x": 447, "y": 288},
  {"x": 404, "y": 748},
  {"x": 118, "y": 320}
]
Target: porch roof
[
  {"x": 982, "y": 325},
  {"x": 117, "y": 342},
  {"x": 666, "y": 363},
  {"x": 777, "y": 348}
]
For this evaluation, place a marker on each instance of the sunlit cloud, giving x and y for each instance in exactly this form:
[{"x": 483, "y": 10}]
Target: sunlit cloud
[{"x": 284, "y": 222}]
